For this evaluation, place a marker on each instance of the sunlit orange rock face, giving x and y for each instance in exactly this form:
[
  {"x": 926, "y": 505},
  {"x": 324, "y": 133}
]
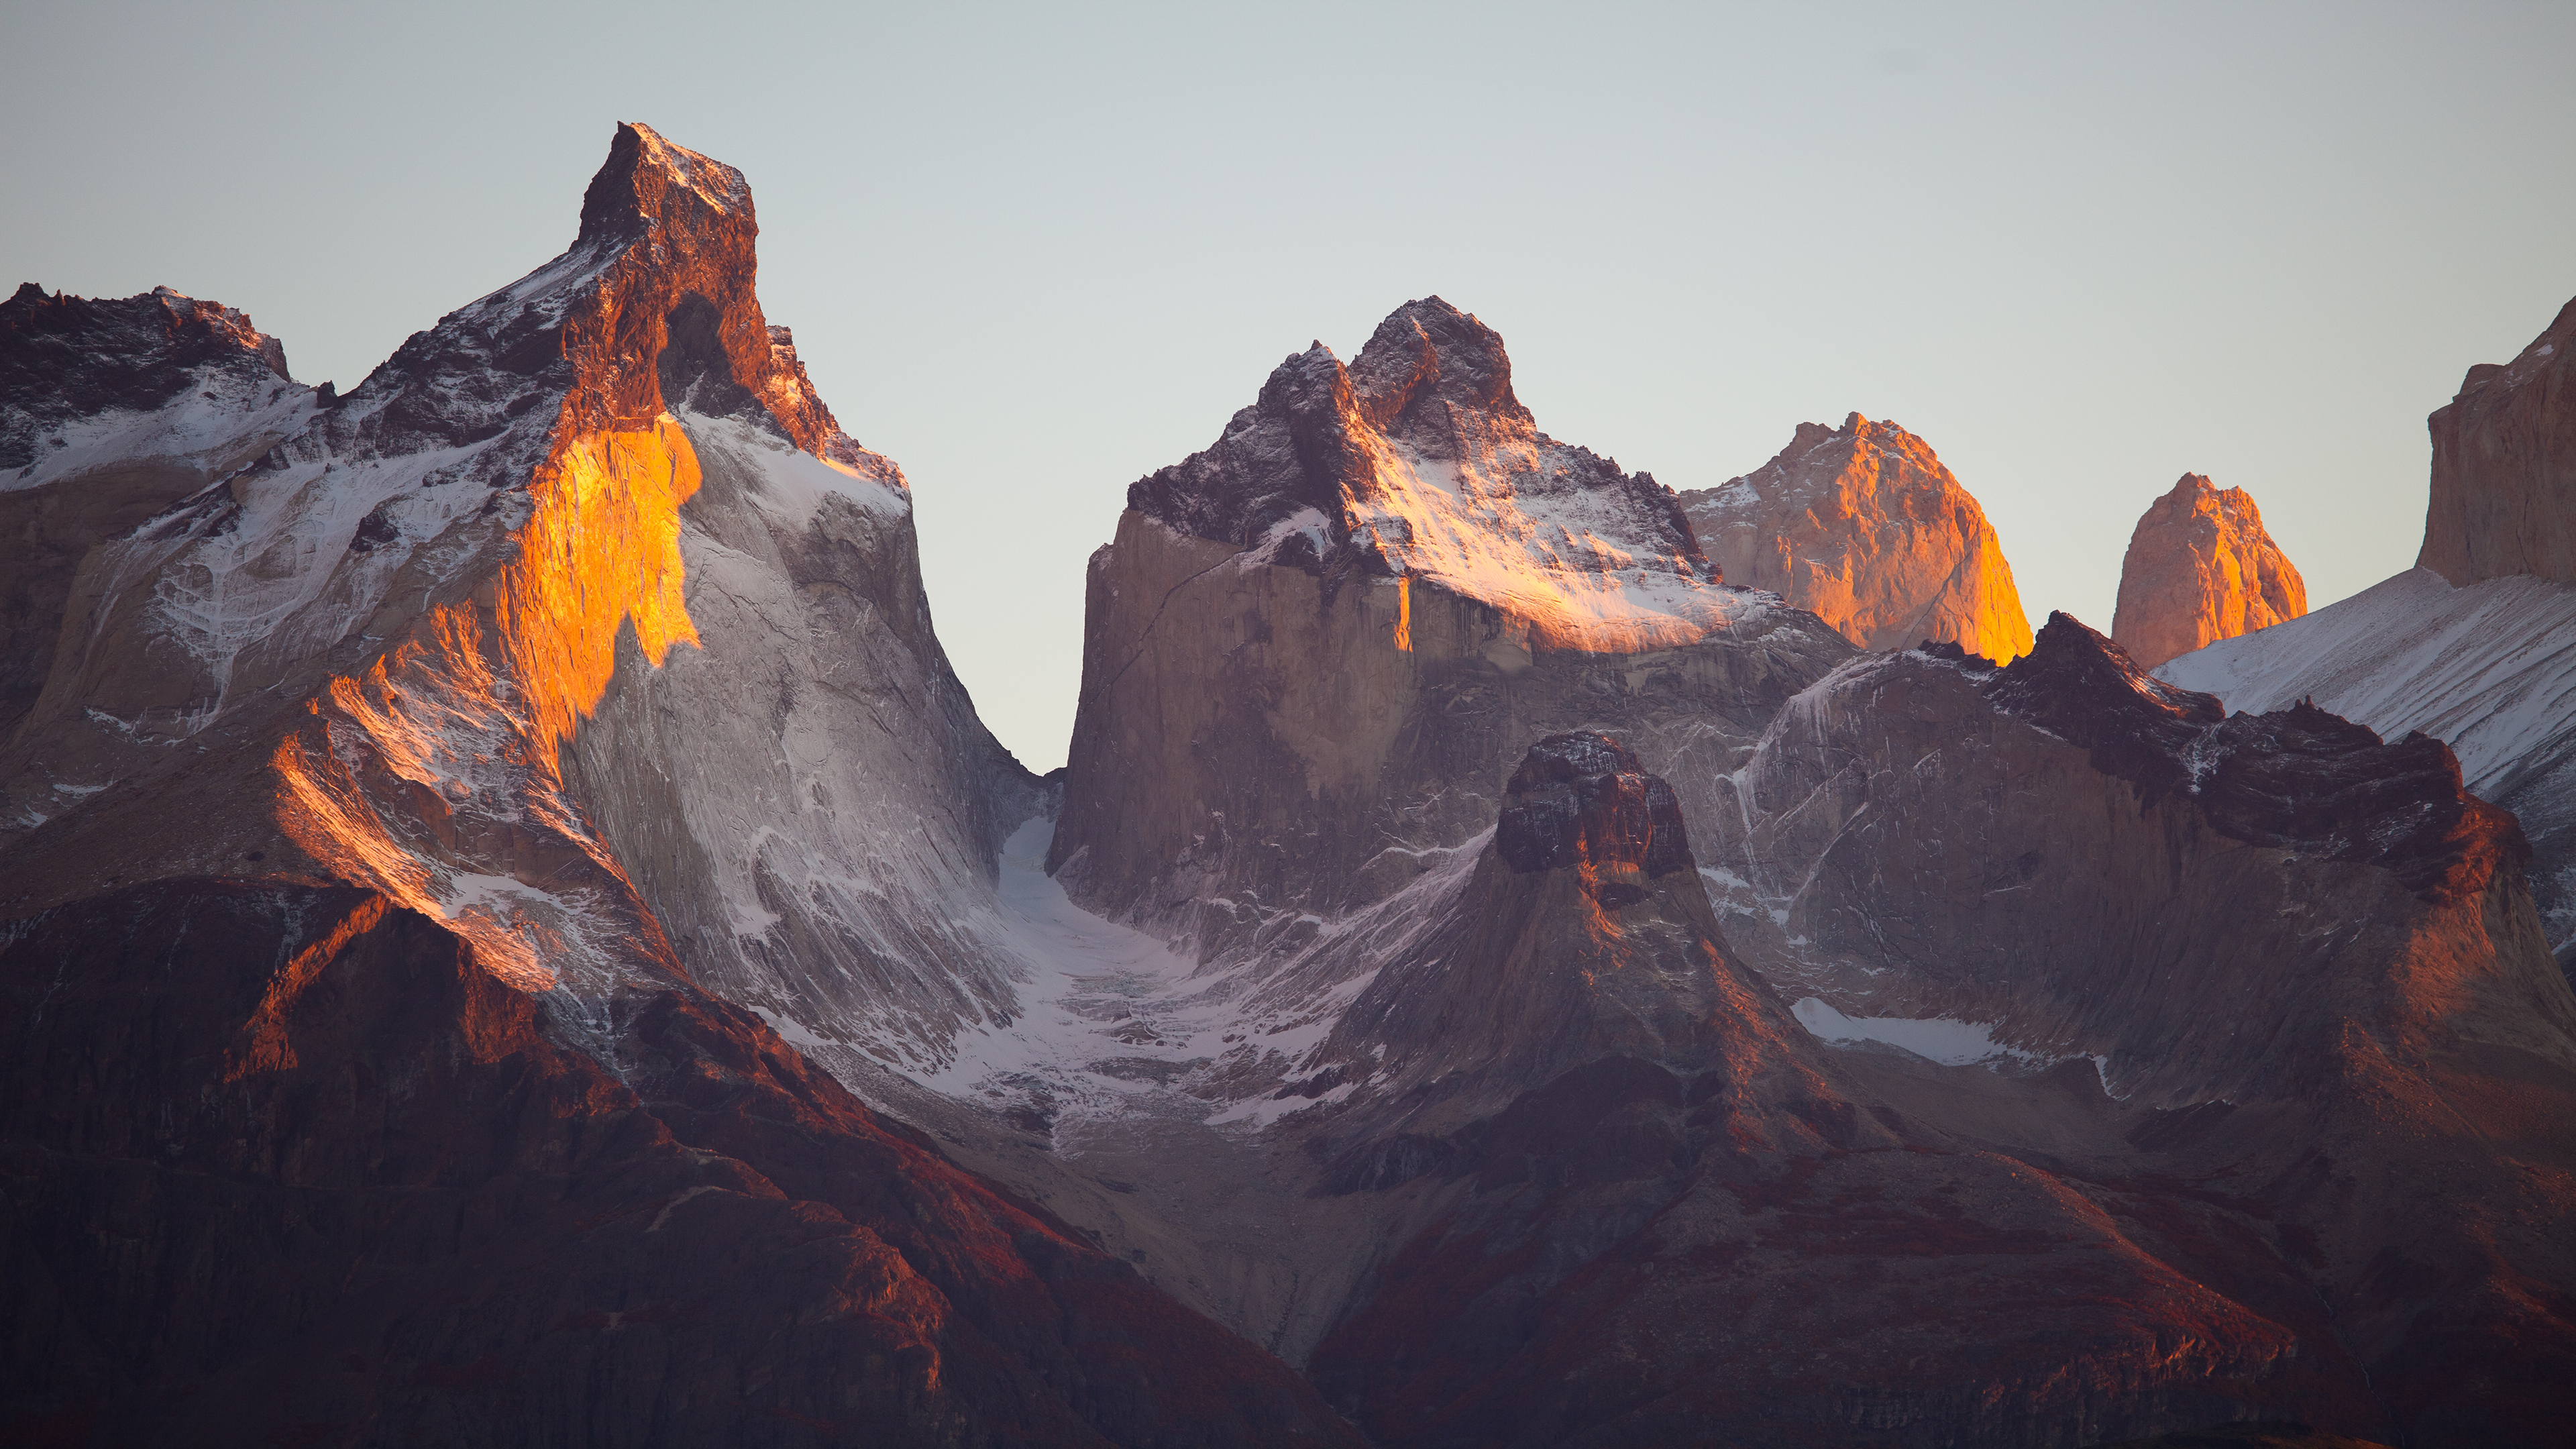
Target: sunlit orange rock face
[
  {"x": 379, "y": 743},
  {"x": 2504, "y": 467},
  {"x": 1864, "y": 526},
  {"x": 2201, "y": 568}
]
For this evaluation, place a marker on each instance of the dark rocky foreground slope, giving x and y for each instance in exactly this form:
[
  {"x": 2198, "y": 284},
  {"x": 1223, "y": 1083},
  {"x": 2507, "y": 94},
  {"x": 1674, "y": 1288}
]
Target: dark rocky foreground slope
[
  {"x": 2310, "y": 952},
  {"x": 284, "y": 1163},
  {"x": 423, "y": 786}
]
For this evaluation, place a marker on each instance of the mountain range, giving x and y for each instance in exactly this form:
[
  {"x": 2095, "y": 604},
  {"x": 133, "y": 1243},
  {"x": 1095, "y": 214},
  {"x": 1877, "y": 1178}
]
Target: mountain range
[{"x": 513, "y": 930}]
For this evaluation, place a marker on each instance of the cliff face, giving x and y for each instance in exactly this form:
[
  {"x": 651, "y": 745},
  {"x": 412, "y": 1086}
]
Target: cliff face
[
  {"x": 575, "y": 669},
  {"x": 2201, "y": 568},
  {"x": 1863, "y": 525},
  {"x": 1314, "y": 650},
  {"x": 2504, "y": 467}
]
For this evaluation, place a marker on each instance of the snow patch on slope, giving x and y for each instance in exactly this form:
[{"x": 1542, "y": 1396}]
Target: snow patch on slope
[
  {"x": 217, "y": 410},
  {"x": 792, "y": 483},
  {"x": 1532, "y": 541},
  {"x": 1112, "y": 1023},
  {"x": 2489, "y": 669}
]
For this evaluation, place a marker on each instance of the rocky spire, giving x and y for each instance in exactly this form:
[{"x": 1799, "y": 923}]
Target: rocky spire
[
  {"x": 2201, "y": 568},
  {"x": 1863, "y": 525},
  {"x": 2504, "y": 467}
]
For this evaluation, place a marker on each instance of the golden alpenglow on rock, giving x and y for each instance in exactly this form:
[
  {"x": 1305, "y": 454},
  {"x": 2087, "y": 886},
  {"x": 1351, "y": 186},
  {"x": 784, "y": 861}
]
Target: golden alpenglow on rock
[
  {"x": 2201, "y": 569},
  {"x": 1863, "y": 526}
]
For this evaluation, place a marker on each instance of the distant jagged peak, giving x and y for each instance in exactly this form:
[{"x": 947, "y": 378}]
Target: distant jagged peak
[
  {"x": 1430, "y": 369},
  {"x": 1865, "y": 526},
  {"x": 2200, "y": 568},
  {"x": 1417, "y": 462}
]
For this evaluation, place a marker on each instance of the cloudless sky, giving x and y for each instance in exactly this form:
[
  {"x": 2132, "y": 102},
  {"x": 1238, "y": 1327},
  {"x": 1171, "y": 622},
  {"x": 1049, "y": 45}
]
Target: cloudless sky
[{"x": 1035, "y": 252}]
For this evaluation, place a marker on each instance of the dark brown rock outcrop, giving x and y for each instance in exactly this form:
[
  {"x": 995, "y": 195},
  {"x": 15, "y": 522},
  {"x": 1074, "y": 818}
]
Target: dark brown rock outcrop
[
  {"x": 65, "y": 359},
  {"x": 1583, "y": 933},
  {"x": 2201, "y": 568},
  {"x": 2504, "y": 467},
  {"x": 111, "y": 412}
]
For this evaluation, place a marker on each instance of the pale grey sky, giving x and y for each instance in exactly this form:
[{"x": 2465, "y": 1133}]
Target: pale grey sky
[{"x": 1035, "y": 252}]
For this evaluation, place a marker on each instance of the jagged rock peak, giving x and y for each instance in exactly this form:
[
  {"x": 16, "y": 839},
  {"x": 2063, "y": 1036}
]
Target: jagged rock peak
[
  {"x": 2201, "y": 568},
  {"x": 64, "y": 357},
  {"x": 2504, "y": 467},
  {"x": 2298, "y": 778},
  {"x": 647, "y": 180},
  {"x": 1863, "y": 525},
  {"x": 653, "y": 309},
  {"x": 1428, "y": 354},
  {"x": 1581, "y": 801},
  {"x": 1418, "y": 462}
]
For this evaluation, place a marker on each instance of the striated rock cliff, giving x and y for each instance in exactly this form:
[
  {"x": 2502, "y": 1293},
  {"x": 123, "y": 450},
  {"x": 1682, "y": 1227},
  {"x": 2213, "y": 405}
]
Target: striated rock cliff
[
  {"x": 2201, "y": 568},
  {"x": 423, "y": 783},
  {"x": 1927, "y": 832},
  {"x": 1864, "y": 526},
  {"x": 2504, "y": 467}
]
